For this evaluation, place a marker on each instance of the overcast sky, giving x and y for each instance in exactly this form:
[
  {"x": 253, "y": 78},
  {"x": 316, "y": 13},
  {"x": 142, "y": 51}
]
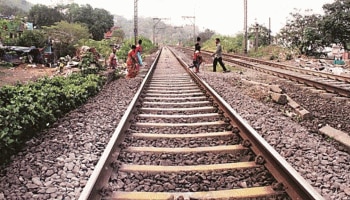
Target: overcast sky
[{"x": 223, "y": 16}]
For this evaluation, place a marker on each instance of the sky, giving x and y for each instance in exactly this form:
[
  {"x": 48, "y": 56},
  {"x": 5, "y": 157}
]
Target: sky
[{"x": 225, "y": 17}]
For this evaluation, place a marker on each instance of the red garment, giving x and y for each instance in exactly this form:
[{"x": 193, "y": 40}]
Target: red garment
[
  {"x": 197, "y": 60},
  {"x": 131, "y": 64},
  {"x": 138, "y": 48},
  {"x": 196, "y": 55}
]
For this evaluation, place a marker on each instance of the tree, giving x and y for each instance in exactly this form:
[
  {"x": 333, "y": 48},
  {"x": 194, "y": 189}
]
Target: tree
[
  {"x": 32, "y": 38},
  {"x": 97, "y": 20},
  {"x": 313, "y": 40},
  {"x": 103, "y": 21},
  {"x": 66, "y": 35},
  {"x": 18, "y": 6},
  {"x": 72, "y": 12},
  {"x": 336, "y": 22},
  {"x": 206, "y": 35},
  {"x": 262, "y": 33},
  {"x": 118, "y": 35},
  {"x": 8, "y": 11},
  {"x": 301, "y": 32},
  {"x": 42, "y": 15}
]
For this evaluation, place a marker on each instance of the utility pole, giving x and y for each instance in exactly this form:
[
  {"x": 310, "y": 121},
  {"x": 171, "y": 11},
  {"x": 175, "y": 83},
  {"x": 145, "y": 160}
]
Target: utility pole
[
  {"x": 156, "y": 20},
  {"x": 245, "y": 28},
  {"x": 194, "y": 25},
  {"x": 269, "y": 30},
  {"x": 256, "y": 36},
  {"x": 179, "y": 41},
  {"x": 135, "y": 21}
]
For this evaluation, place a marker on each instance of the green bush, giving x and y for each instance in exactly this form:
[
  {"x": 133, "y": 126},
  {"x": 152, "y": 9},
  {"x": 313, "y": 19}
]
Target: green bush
[
  {"x": 147, "y": 46},
  {"x": 26, "y": 110},
  {"x": 88, "y": 64}
]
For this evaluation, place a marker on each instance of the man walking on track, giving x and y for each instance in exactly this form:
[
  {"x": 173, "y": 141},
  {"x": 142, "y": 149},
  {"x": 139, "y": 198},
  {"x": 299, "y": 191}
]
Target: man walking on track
[{"x": 218, "y": 56}]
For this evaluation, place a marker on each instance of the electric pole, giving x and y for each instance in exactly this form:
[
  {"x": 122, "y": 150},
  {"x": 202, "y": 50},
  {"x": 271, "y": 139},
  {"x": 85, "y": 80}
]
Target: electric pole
[
  {"x": 179, "y": 41},
  {"x": 245, "y": 28},
  {"x": 156, "y": 20},
  {"x": 256, "y": 36},
  {"x": 135, "y": 21},
  {"x": 269, "y": 30},
  {"x": 194, "y": 25}
]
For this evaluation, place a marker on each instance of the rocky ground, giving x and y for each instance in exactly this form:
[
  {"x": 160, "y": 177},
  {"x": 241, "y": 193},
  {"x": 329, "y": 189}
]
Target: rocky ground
[
  {"x": 58, "y": 164},
  {"x": 318, "y": 158}
]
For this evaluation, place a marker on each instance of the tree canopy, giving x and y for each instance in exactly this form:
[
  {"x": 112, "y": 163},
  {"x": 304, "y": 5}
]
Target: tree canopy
[
  {"x": 311, "y": 32},
  {"x": 66, "y": 35},
  {"x": 42, "y": 15},
  {"x": 336, "y": 22},
  {"x": 97, "y": 20},
  {"x": 301, "y": 32}
]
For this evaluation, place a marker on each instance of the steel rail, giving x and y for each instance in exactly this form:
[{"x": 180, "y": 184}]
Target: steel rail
[
  {"x": 288, "y": 67},
  {"x": 101, "y": 173},
  {"x": 296, "y": 186},
  {"x": 307, "y": 80}
]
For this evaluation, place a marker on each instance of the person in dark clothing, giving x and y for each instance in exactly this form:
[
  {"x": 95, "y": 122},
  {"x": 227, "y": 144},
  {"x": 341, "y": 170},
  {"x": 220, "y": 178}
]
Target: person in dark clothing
[
  {"x": 197, "y": 57},
  {"x": 197, "y": 46},
  {"x": 218, "y": 56}
]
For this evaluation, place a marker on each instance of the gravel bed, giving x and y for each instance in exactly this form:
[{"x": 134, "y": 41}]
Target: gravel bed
[
  {"x": 198, "y": 104},
  {"x": 184, "y": 99},
  {"x": 181, "y": 120},
  {"x": 320, "y": 160},
  {"x": 170, "y": 112},
  {"x": 169, "y": 159},
  {"x": 189, "y": 142},
  {"x": 58, "y": 164},
  {"x": 191, "y": 181},
  {"x": 325, "y": 111},
  {"x": 182, "y": 130}
]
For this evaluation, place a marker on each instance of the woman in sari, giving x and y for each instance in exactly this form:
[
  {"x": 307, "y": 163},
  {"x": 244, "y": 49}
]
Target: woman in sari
[{"x": 132, "y": 63}]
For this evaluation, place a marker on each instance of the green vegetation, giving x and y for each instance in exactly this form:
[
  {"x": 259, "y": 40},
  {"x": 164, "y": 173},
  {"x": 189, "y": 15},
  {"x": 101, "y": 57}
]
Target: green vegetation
[
  {"x": 67, "y": 36},
  {"x": 88, "y": 64},
  {"x": 147, "y": 45},
  {"x": 27, "y": 109},
  {"x": 35, "y": 38},
  {"x": 229, "y": 44}
]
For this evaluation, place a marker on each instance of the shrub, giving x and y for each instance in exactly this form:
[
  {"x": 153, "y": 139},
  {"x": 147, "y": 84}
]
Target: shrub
[{"x": 26, "y": 110}]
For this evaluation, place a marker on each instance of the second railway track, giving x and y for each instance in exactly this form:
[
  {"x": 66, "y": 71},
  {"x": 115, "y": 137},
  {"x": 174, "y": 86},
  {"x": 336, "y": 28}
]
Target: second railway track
[
  {"x": 180, "y": 140},
  {"x": 337, "y": 84}
]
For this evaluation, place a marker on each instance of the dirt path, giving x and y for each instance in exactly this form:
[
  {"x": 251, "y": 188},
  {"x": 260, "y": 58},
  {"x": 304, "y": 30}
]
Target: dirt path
[{"x": 23, "y": 73}]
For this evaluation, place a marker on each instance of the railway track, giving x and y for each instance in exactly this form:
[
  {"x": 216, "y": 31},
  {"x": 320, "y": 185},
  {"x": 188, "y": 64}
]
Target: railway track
[
  {"x": 180, "y": 140},
  {"x": 332, "y": 83}
]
